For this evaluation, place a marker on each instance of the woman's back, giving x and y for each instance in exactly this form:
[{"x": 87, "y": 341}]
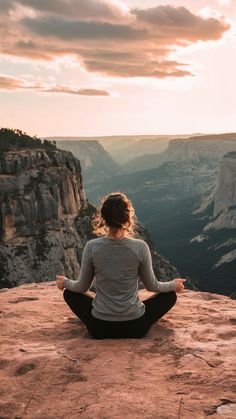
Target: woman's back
[
  {"x": 117, "y": 265},
  {"x": 116, "y": 268},
  {"x": 116, "y": 261}
]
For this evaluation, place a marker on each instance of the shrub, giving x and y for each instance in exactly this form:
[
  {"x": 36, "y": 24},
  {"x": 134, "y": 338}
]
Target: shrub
[{"x": 11, "y": 139}]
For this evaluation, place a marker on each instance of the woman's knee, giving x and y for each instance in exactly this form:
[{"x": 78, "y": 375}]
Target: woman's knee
[
  {"x": 66, "y": 294},
  {"x": 69, "y": 295},
  {"x": 172, "y": 297}
]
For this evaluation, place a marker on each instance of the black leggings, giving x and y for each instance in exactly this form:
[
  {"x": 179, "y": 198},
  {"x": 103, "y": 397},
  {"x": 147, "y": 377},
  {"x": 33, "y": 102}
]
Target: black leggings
[{"x": 156, "y": 307}]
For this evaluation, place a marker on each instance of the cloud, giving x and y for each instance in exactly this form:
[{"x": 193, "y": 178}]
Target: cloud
[
  {"x": 159, "y": 69},
  {"x": 180, "y": 24},
  {"x": 105, "y": 38},
  {"x": 6, "y": 6},
  {"x": 17, "y": 84},
  {"x": 79, "y": 30},
  {"x": 81, "y": 9}
]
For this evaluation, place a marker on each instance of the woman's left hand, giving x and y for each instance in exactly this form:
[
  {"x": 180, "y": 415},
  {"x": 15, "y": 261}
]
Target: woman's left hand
[{"x": 60, "y": 282}]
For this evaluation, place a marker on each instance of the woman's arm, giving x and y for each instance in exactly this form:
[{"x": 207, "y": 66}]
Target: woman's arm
[
  {"x": 147, "y": 275},
  {"x": 86, "y": 275}
]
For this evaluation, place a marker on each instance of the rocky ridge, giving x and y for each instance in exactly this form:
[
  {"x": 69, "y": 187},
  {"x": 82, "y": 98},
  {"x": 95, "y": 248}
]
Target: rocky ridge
[
  {"x": 40, "y": 196},
  {"x": 208, "y": 146},
  {"x": 217, "y": 239},
  {"x": 51, "y": 368},
  {"x": 224, "y": 213},
  {"x": 211, "y": 147}
]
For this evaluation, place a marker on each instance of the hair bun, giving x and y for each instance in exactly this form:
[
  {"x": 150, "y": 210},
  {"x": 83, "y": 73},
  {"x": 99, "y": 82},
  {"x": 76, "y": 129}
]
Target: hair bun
[{"x": 116, "y": 212}]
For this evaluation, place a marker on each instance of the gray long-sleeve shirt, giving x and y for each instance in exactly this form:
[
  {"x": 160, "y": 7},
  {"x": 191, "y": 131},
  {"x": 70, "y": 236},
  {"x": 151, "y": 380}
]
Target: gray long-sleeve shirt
[{"x": 117, "y": 265}]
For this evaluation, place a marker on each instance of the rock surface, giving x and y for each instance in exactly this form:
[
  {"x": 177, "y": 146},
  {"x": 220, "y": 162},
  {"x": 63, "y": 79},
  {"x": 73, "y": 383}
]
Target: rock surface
[
  {"x": 41, "y": 194},
  {"x": 38, "y": 187},
  {"x": 211, "y": 147},
  {"x": 217, "y": 240},
  {"x": 51, "y": 368},
  {"x": 208, "y": 146},
  {"x": 225, "y": 197}
]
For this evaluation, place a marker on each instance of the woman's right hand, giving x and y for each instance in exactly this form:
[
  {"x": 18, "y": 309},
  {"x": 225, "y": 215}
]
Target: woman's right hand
[
  {"x": 179, "y": 284},
  {"x": 60, "y": 280}
]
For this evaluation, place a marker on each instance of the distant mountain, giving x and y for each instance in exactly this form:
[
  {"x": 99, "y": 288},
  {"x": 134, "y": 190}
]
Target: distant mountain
[
  {"x": 171, "y": 179},
  {"x": 123, "y": 149},
  {"x": 96, "y": 162},
  {"x": 180, "y": 149},
  {"x": 211, "y": 146},
  {"x": 127, "y": 150}
]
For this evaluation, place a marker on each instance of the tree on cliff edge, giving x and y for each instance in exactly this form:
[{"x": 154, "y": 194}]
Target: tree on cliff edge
[{"x": 14, "y": 139}]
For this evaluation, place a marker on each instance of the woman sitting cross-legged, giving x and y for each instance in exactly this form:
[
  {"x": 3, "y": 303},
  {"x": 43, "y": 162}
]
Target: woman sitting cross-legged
[{"x": 117, "y": 260}]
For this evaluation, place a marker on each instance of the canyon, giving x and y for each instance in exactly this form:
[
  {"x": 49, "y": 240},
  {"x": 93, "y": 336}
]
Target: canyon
[{"x": 188, "y": 203}]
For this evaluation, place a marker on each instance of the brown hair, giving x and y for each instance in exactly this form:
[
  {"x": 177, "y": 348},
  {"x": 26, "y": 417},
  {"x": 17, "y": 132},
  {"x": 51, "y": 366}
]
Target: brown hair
[{"x": 116, "y": 210}]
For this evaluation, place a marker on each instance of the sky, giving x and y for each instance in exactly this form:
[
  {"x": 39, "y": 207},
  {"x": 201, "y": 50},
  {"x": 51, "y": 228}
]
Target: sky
[{"x": 115, "y": 67}]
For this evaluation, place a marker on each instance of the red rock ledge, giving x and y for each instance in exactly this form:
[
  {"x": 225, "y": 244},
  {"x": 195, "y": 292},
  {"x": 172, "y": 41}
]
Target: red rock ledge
[{"x": 50, "y": 368}]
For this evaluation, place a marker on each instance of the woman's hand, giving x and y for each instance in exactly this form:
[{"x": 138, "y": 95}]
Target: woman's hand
[
  {"x": 179, "y": 284},
  {"x": 60, "y": 282}
]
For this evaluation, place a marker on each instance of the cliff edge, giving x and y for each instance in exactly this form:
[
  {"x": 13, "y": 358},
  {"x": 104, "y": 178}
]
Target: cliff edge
[
  {"x": 41, "y": 194},
  {"x": 51, "y": 367},
  {"x": 224, "y": 215}
]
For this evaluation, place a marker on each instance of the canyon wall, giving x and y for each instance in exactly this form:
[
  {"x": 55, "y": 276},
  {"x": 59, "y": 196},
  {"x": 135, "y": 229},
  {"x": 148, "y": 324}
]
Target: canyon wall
[
  {"x": 96, "y": 163},
  {"x": 41, "y": 194},
  {"x": 225, "y": 197},
  {"x": 209, "y": 146}
]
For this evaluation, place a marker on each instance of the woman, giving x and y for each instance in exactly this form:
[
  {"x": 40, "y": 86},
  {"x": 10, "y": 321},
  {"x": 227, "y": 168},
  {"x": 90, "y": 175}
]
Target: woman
[{"x": 117, "y": 260}]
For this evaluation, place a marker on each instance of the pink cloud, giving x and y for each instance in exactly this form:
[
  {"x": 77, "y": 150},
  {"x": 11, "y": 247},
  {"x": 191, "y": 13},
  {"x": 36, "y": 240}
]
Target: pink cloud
[
  {"x": 17, "y": 84},
  {"x": 104, "y": 38}
]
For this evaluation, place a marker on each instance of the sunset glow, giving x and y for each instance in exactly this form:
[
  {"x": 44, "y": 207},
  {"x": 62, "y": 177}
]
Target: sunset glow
[{"x": 103, "y": 67}]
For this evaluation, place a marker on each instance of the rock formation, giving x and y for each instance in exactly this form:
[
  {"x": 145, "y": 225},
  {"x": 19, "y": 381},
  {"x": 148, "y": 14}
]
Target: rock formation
[
  {"x": 224, "y": 214},
  {"x": 51, "y": 367},
  {"x": 211, "y": 147},
  {"x": 38, "y": 187},
  {"x": 41, "y": 194},
  {"x": 216, "y": 242}
]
